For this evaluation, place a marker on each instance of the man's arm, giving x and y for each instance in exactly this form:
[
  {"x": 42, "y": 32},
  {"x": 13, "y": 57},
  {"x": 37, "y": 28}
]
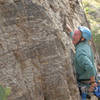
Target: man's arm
[
  {"x": 86, "y": 64},
  {"x": 69, "y": 30}
]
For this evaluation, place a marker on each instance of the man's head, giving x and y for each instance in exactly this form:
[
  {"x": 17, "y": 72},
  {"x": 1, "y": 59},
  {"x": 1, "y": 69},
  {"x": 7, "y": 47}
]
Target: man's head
[
  {"x": 81, "y": 34},
  {"x": 77, "y": 36}
]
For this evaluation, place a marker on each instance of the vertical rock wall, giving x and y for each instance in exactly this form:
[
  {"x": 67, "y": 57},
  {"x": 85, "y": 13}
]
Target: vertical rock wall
[{"x": 35, "y": 51}]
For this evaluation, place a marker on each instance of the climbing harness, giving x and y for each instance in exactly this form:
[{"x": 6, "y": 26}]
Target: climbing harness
[
  {"x": 96, "y": 91},
  {"x": 85, "y": 92}
]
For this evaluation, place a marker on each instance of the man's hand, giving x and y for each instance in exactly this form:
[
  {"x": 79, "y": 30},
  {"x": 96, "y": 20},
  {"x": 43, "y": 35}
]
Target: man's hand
[
  {"x": 93, "y": 83},
  {"x": 92, "y": 86},
  {"x": 68, "y": 28}
]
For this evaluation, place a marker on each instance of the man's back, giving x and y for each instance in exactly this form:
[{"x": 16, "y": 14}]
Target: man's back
[{"x": 84, "y": 61}]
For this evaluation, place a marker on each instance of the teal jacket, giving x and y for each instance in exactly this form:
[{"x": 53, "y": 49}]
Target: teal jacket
[{"x": 84, "y": 61}]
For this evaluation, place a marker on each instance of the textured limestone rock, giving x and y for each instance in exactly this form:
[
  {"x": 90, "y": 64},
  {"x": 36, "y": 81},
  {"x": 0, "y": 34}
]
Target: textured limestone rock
[{"x": 35, "y": 51}]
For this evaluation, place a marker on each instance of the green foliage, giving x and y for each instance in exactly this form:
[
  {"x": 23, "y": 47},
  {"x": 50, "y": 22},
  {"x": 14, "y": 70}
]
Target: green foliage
[
  {"x": 91, "y": 10},
  {"x": 86, "y": 3},
  {"x": 7, "y": 91},
  {"x": 4, "y": 93},
  {"x": 97, "y": 1},
  {"x": 87, "y": 10},
  {"x": 98, "y": 19}
]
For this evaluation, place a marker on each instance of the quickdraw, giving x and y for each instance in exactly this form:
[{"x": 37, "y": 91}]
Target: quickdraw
[{"x": 84, "y": 93}]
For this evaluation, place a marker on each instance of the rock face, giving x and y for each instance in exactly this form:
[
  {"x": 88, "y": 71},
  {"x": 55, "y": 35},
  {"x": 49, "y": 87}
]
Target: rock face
[{"x": 35, "y": 51}]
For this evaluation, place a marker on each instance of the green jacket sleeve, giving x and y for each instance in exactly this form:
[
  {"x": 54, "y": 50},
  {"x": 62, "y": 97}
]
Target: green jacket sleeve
[
  {"x": 71, "y": 34},
  {"x": 86, "y": 64}
]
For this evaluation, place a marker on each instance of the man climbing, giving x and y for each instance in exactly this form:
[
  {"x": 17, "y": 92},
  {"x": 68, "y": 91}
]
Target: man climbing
[{"x": 84, "y": 60}]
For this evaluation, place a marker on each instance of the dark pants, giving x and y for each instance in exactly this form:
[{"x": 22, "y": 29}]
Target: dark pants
[{"x": 87, "y": 96}]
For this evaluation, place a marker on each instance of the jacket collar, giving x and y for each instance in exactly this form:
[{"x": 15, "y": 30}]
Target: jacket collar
[{"x": 80, "y": 44}]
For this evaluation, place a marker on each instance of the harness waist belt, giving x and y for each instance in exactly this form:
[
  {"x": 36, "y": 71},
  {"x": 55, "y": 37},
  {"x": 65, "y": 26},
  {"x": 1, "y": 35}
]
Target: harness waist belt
[{"x": 79, "y": 80}]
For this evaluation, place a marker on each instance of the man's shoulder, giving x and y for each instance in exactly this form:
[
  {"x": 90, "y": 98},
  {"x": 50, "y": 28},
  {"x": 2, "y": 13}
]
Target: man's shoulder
[
  {"x": 84, "y": 50},
  {"x": 83, "y": 46}
]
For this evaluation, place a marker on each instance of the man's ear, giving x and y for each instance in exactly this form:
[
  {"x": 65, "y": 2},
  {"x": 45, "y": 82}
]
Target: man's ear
[{"x": 82, "y": 39}]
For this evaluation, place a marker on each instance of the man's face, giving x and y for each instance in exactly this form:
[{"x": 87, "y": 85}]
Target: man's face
[{"x": 76, "y": 37}]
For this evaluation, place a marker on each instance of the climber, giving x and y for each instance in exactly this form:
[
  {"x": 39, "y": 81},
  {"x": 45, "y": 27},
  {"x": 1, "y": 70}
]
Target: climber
[{"x": 84, "y": 60}]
